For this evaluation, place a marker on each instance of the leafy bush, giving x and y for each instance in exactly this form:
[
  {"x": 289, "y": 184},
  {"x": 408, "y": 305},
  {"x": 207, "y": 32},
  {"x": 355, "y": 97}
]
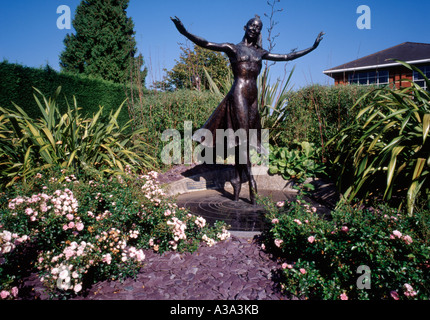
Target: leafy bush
[
  {"x": 297, "y": 163},
  {"x": 66, "y": 140},
  {"x": 159, "y": 111},
  {"x": 366, "y": 253},
  {"x": 316, "y": 113},
  {"x": 86, "y": 229},
  {"x": 385, "y": 151}
]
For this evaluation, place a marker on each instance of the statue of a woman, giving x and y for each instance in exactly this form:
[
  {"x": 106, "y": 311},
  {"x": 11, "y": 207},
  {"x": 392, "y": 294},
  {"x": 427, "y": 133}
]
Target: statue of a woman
[{"x": 239, "y": 109}]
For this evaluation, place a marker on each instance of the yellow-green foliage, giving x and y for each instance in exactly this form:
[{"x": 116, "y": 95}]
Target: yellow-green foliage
[{"x": 66, "y": 140}]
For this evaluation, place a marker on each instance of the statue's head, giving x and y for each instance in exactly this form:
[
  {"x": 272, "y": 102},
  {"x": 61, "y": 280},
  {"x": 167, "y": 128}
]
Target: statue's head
[{"x": 253, "y": 30}]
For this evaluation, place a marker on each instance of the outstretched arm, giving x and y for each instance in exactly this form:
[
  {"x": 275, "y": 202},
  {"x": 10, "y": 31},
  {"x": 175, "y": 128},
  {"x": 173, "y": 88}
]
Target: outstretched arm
[
  {"x": 223, "y": 47},
  {"x": 295, "y": 54}
]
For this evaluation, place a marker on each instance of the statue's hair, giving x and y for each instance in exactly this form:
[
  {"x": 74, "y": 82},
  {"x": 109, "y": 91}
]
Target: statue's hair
[{"x": 260, "y": 37}]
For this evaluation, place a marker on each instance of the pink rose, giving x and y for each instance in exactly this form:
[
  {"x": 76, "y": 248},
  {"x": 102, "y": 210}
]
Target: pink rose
[
  {"x": 79, "y": 226},
  {"x": 297, "y": 221},
  {"x": 280, "y": 204},
  {"x": 71, "y": 225},
  {"x": 397, "y": 233},
  {"x": 302, "y": 271},
  {"x": 311, "y": 239},
  {"x": 345, "y": 229},
  {"x": 343, "y": 296},
  {"x": 409, "y": 290},
  {"x": 4, "y": 294},
  {"x": 394, "y": 295},
  {"x": 407, "y": 239},
  {"x": 77, "y": 288},
  {"x": 278, "y": 242},
  {"x": 14, "y": 292},
  {"x": 274, "y": 221}
]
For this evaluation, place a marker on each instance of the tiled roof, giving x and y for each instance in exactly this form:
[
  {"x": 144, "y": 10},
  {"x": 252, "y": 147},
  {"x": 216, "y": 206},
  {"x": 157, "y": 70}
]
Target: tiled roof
[{"x": 407, "y": 51}]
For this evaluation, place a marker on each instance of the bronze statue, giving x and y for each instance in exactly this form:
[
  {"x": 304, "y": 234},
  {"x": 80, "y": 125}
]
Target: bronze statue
[{"x": 239, "y": 109}]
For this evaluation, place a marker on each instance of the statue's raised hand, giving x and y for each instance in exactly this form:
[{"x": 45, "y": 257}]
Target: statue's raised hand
[
  {"x": 178, "y": 24},
  {"x": 318, "y": 39}
]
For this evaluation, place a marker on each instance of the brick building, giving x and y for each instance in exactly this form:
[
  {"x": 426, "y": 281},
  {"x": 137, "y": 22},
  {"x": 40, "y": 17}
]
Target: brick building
[{"x": 378, "y": 69}]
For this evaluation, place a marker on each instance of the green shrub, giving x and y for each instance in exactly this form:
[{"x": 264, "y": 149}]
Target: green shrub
[
  {"x": 385, "y": 151},
  {"x": 297, "y": 163},
  {"x": 316, "y": 113},
  {"x": 66, "y": 140},
  {"x": 159, "y": 111},
  {"x": 86, "y": 229},
  {"x": 326, "y": 259}
]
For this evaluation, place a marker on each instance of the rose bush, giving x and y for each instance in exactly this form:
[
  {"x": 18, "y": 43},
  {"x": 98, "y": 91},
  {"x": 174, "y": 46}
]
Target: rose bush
[
  {"x": 323, "y": 256},
  {"x": 88, "y": 228}
]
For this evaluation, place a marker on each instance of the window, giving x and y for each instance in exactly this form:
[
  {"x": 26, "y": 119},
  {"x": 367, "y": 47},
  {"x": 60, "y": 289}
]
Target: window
[
  {"x": 419, "y": 79},
  {"x": 370, "y": 78}
]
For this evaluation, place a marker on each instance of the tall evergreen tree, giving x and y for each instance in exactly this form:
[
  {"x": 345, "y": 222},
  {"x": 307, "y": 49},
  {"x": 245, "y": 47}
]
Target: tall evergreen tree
[{"x": 104, "y": 44}]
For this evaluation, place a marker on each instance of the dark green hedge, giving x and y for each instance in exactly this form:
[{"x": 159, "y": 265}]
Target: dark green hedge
[
  {"x": 316, "y": 113},
  {"x": 17, "y": 84},
  {"x": 159, "y": 111}
]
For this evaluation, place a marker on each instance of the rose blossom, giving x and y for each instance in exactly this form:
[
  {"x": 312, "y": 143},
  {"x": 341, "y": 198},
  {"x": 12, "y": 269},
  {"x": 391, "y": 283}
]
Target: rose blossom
[
  {"x": 311, "y": 239},
  {"x": 107, "y": 258},
  {"x": 302, "y": 271},
  {"x": 394, "y": 295},
  {"x": 4, "y": 294},
  {"x": 78, "y": 288},
  {"x": 79, "y": 226},
  {"x": 297, "y": 221},
  {"x": 278, "y": 242},
  {"x": 14, "y": 292},
  {"x": 280, "y": 204},
  {"x": 397, "y": 233},
  {"x": 407, "y": 239},
  {"x": 343, "y": 296},
  {"x": 274, "y": 221},
  {"x": 410, "y": 290}
]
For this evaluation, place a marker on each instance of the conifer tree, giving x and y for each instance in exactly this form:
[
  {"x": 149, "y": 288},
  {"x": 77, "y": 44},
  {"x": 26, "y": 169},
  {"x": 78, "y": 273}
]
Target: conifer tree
[{"x": 104, "y": 44}]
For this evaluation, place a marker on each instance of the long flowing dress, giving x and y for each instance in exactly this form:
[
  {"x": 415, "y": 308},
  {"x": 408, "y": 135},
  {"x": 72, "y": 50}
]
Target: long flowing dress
[{"x": 239, "y": 109}]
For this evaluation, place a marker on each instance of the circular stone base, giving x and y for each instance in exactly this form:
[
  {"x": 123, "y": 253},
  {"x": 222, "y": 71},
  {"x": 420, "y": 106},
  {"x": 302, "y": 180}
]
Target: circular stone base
[{"x": 218, "y": 205}]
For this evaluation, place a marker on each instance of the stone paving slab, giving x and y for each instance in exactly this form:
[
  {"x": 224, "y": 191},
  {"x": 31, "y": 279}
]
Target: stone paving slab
[{"x": 235, "y": 269}]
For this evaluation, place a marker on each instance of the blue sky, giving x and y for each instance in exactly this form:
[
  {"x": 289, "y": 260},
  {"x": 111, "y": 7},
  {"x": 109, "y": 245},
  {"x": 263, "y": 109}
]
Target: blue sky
[{"x": 29, "y": 33}]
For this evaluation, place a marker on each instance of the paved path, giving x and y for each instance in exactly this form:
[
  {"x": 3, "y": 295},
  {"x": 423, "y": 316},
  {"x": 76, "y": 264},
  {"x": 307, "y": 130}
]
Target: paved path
[{"x": 235, "y": 269}]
